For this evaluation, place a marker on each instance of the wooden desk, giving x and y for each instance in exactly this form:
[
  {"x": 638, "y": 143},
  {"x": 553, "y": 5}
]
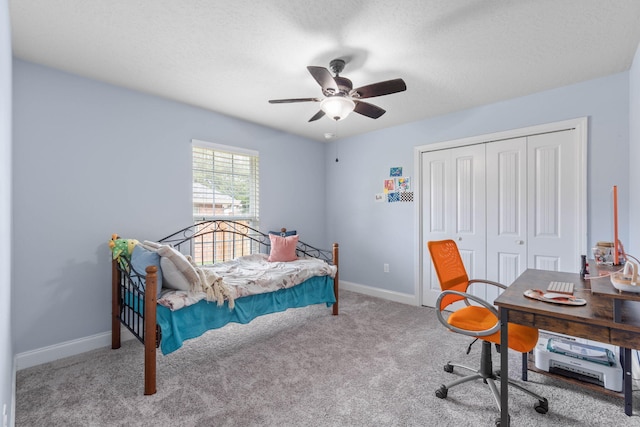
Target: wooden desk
[{"x": 597, "y": 320}]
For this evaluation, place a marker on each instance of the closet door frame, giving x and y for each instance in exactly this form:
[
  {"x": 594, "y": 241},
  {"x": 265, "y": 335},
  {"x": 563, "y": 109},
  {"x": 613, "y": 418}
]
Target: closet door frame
[{"x": 579, "y": 125}]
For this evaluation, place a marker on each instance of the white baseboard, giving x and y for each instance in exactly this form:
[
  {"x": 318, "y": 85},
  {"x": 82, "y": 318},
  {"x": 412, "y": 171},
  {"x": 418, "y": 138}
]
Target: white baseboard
[
  {"x": 50, "y": 353},
  {"x": 12, "y": 419},
  {"x": 409, "y": 299}
]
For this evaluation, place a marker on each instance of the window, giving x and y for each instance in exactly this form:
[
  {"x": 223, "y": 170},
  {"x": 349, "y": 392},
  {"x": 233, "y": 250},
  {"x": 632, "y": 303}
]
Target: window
[
  {"x": 225, "y": 186},
  {"x": 225, "y": 183}
]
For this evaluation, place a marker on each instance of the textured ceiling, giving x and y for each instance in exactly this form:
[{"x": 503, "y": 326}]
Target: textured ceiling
[{"x": 233, "y": 56}]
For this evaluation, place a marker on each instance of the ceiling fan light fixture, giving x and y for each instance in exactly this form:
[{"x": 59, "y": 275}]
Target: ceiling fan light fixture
[
  {"x": 337, "y": 107},
  {"x": 339, "y": 95}
]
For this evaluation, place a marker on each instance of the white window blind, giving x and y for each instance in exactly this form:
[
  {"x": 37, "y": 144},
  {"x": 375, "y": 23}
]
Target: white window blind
[{"x": 225, "y": 183}]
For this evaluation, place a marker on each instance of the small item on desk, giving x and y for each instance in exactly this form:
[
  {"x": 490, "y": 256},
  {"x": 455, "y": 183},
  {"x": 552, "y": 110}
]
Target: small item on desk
[
  {"x": 603, "y": 253},
  {"x": 584, "y": 266},
  {"x": 555, "y": 295},
  {"x": 555, "y": 298},
  {"x": 627, "y": 281},
  {"x": 561, "y": 287}
]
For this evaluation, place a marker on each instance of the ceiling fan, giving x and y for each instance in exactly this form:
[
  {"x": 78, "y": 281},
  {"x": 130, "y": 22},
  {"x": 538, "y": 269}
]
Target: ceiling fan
[{"x": 340, "y": 97}]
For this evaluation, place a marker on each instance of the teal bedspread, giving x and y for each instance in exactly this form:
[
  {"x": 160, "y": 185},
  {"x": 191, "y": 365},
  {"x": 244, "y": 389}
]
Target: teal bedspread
[{"x": 194, "y": 320}]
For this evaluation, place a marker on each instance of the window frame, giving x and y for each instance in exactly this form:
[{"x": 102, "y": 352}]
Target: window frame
[{"x": 253, "y": 217}]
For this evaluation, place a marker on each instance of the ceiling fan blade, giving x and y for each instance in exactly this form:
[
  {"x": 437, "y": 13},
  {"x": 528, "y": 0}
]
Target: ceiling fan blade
[
  {"x": 284, "y": 101},
  {"x": 378, "y": 89},
  {"x": 318, "y": 115},
  {"x": 324, "y": 78},
  {"x": 368, "y": 110}
]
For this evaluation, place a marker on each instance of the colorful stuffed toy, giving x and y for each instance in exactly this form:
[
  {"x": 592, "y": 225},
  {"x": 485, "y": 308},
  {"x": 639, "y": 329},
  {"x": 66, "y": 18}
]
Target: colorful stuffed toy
[{"x": 122, "y": 247}]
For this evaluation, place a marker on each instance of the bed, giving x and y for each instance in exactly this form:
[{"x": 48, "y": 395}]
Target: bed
[{"x": 241, "y": 274}]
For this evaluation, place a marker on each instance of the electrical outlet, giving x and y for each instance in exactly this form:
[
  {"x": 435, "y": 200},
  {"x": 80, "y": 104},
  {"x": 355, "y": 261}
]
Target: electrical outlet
[{"x": 386, "y": 268}]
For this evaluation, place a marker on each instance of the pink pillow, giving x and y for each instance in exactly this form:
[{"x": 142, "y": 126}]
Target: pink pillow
[{"x": 283, "y": 249}]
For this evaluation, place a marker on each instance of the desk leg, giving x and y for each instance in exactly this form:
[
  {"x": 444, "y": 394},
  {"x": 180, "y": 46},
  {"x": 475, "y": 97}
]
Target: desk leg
[
  {"x": 626, "y": 371},
  {"x": 504, "y": 367},
  {"x": 617, "y": 310},
  {"x": 626, "y": 363}
]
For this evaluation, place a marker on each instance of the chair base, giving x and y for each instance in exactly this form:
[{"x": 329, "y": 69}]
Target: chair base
[{"x": 489, "y": 377}]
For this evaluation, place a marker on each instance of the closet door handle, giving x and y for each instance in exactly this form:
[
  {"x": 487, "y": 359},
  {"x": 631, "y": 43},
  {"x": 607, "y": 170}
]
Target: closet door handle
[{"x": 519, "y": 242}]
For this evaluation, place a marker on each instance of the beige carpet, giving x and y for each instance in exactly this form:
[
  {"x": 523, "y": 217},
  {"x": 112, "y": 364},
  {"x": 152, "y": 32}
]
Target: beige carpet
[{"x": 376, "y": 364}]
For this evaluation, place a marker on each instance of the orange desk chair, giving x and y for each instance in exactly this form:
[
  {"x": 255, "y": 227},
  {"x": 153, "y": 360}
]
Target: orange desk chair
[{"x": 479, "y": 320}]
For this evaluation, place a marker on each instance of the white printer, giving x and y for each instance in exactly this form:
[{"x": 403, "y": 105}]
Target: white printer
[{"x": 586, "y": 362}]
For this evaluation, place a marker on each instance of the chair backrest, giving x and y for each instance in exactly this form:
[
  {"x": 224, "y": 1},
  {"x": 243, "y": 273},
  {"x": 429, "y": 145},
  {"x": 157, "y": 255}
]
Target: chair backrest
[{"x": 450, "y": 269}]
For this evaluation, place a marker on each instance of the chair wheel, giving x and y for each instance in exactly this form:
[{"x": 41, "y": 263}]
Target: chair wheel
[
  {"x": 441, "y": 393},
  {"x": 542, "y": 407},
  {"x": 448, "y": 368},
  {"x": 498, "y": 421}
]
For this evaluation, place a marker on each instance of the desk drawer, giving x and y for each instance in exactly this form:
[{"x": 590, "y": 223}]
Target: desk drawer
[
  {"x": 570, "y": 327},
  {"x": 563, "y": 326},
  {"x": 521, "y": 318},
  {"x": 626, "y": 339}
]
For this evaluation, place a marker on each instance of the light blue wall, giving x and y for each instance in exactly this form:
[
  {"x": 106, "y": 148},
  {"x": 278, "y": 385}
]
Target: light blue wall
[
  {"x": 633, "y": 246},
  {"x": 6, "y": 345},
  {"x": 91, "y": 159},
  {"x": 371, "y": 234}
]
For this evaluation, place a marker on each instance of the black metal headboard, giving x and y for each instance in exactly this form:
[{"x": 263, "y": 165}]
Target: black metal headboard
[{"x": 220, "y": 240}]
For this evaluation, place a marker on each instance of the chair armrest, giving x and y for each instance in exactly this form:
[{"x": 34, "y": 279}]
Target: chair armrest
[
  {"x": 488, "y": 282},
  {"x": 480, "y": 301}
]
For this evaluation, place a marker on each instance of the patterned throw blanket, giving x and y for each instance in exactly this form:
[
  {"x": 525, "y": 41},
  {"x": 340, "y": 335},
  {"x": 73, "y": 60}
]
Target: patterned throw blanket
[
  {"x": 213, "y": 286},
  {"x": 244, "y": 276}
]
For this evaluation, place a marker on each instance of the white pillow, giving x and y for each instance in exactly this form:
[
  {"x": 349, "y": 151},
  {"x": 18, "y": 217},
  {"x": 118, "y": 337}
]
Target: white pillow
[{"x": 177, "y": 271}]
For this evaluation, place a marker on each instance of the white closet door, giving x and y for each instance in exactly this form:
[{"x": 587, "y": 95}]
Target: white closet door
[
  {"x": 506, "y": 210},
  {"x": 454, "y": 208},
  {"x": 553, "y": 202},
  {"x": 534, "y": 185}
]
